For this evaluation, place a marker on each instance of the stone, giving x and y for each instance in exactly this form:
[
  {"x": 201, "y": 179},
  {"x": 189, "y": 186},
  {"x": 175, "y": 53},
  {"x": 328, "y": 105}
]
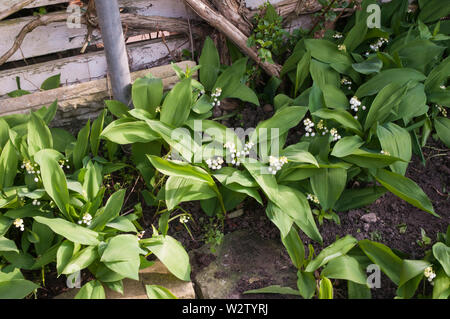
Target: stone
[
  {"x": 243, "y": 261},
  {"x": 157, "y": 274},
  {"x": 268, "y": 108},
  {"x": 369, "y": 218}
]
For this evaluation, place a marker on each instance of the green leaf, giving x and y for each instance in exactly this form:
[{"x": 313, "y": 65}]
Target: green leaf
[
  {"x": 61, "y": 139},
  {"x": 383, "y": 256},
  {"x": 306, "y": 284},
  {"x": 39, "y": 136},
  {"x": 244, "y": 93},
  {"x": 357, "y": 198},
  {"x": 180, "y": 189},
  {"x": 81, "y": 146},
  {"x": 172, "y": 254},
  {"x": 147, "y": 93},
  {"x": 54, "y": 179},
  {"x": 122, "y": 248},
  {"x": 368, "y": 66},
  {"x": 71, "y": 231},
  {"x": 328, "y": 184},
  {"x": 442, "y": 125},
  {"x": 177, "y": 104},
  {"x": 339, "y": 248},
  {"x": 52, "y": 82},
  {"x": 280, "y": 219},
  {"x": 294, "y": 247},
  {"x": 345, "y": 267},
  {"x": 342, "y": 117},
  {"x": 81, "y": 260},
  {"x": 92, "y": 290},
  {"x": 63, "y": 255},
  {"x": 7, "y": 245},
  {"x": 16, "y": 288},
  {"x": 346, "y": 146},
  {"x": 334, "y": 97},
  {"x": 92, "y": 180},
  {"x": 210, "y": 64},
  {"x": 118, "y": 109},
  {"x": 411, "y": 269},
  {"x": 442, "y": 253},
  {"x": 369, "y": 159},
  {"x": 96, "y": 130},
  {"x": 406, "y": 189},
  {"x": 302, "y": 71},
  {"x": 397, "y": 141},
  {"x": 128, "y": 131},
  {"x": 433, "y": 10},
  {"x": 8, "y": 165},
  {"x": 275, "y": 289},
  {"x": 356, "y": 291},
  {"x": 398, "y": 76},
  {"x": 158, "y": 292},
  {"x": 111, "y": 210},
  {"x": 325, "y": 289}
]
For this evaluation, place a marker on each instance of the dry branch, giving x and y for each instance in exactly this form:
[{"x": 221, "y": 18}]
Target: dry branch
[
  {"x": 234, "y": 13},
  {"x": 219, "y": 22},
  {"x": 14, "y": 8}
]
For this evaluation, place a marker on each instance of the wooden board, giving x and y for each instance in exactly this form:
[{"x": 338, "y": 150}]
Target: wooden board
[
  {"x": 79, "y": 102},
  {"x": 58, "y": 37},
  {"x": 88, "y": 66}
]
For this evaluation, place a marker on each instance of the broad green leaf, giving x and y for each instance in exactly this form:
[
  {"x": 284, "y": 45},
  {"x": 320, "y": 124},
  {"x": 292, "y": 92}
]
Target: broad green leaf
[
  {"x": 172, "y": 254},
  {"x": 180, "y": 189},
  {"x": 442, "y": 125},
  {"x": 294, "y": 247},
  {"x": 8, "y": 165},
  {"x": 334, "y": 97},
  {"x": 280, "y": 219},
  {"x": 39, "y": 136},
  {"x": 51, "y": 83},
  {"x": 356, "y": 291},
  {"x": 92, "y": 180},
  {"x": 357, "y": 198},
  {"x": 230, "y": 79},
  {"x": 16, "y": 288},
  {"x": 61, "y": 139},
  {"x": 325, "y": 289},
  {"x": 302, "y": 71},
  {"x": 346, "y": 268},
  {"x": 81, "y": 260},
  {"x": 81, "y": 146},
  {"x": 306, "y": 284},
  {"x": 366, "y": 159},
  {"x": 122, "y": 223},
  {"x": 326, "y": 51},
  {"x": 158, "y": 292},
  {"x": 323, "y": 75},
  {"x": 128, "y": 131},
  {"x": 441, "y": 289},
  {"x": 433, "y": 10},
  {"x": 342, "y": 117},
  {"x": 147, "y": 93},
  {"x": 177, "y": 104},
  {"x": 397, "y": 141},
  {"x": 91, "y": 290},
  {"x": 54, "y": 179},
  {"x": 411, "y": 269},
  {"x": 116, "y": 108},
  {"x": 210, "y": 64},
  {"x": 346, "y": 146},
  {"x": 96, "y": 130},
  {"x": 337, "y": 249},
  {"x": 398, "y": 76},
  {"x": 111, "y": 210},
  {"x": 442, "y": 253},
  {"x": 328, "y": 184},
  {"x": 244, "y": 93},
  {"x": 64, "y": 255},
  {"x": 438, "y": 76},
  {"x": 71, "y": 231},
  {"x": 383, "y": 256},
  {"x": 368, "y": 66},
  {"x": 406, "y": 189},
  {"x": 122, "y": 248},
  {"x": 7, "y": 245}
]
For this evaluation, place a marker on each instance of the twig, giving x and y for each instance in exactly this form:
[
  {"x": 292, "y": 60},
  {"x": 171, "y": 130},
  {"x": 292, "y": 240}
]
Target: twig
[
  {"x": 14, "y": 8},
  {"x": 163, "y": 37},
  {"x": 321, "y": 16},
  {"x": 440, "y": 192},
  {"x": 190, "y": 38}
]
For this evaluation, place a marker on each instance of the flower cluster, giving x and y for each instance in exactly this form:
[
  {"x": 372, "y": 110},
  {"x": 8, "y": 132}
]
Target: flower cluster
[
  {"x": 429, "y": 273},
  {"x": 355, "y": 104},
  {"x": 87, "y": 218},
  {"x": 215, "y": 95},
  {"x": 346, "y": 82},
  {"x": 342, "y": 47},
  {"x": 313, "y": 198},
  {"x": 377, "y": 45},
  {"x": 36, "y": 202},
  {"x": 309, "y": 127},
  {"x": 337, "y": 35},
  {"x": 19, "y": 224},
  {"x": 235, "y": 155},
  {"x": 335, "y": 134},
  {"x": 442, "y": 110},
  {"x": 276, "y": 163},
  {"x": 63, "y": 162},
  {"x": 385, "y": 153},
  {"x": 215, "y": 163},
  {"x": 184, "y": 219},
  {"x": 200, "y": 93},
  {"x": 31, "y": 169}
]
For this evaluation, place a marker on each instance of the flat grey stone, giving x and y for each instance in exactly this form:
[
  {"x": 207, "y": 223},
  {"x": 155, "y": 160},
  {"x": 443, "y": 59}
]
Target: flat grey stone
[
  {"x": 369, "y": 218},
  {"x": 243, "y": 262}
]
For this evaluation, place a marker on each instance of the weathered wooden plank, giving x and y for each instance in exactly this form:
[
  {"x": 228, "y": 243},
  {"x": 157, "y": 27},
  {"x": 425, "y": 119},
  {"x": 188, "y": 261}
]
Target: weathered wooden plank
[
  {"x": 42, "y": 3},
  {"x": 79, "y": 102},
  {"x": 57, "y": 36},
  {"x": 88, "y": 66}
]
